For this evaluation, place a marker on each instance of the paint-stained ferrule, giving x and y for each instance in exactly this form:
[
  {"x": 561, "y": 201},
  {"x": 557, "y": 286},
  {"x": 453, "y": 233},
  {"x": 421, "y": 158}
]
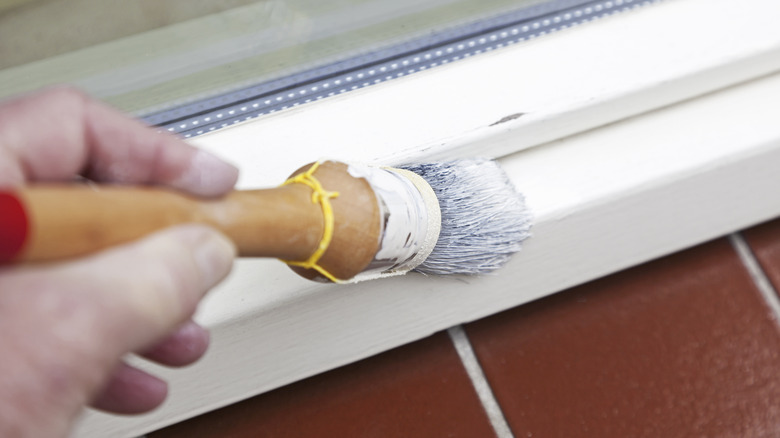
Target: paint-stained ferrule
[{"x": 411, "y": 220}]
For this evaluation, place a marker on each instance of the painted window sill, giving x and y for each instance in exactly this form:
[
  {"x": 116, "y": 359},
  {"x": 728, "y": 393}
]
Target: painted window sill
[{"x": 631, "y": 137}]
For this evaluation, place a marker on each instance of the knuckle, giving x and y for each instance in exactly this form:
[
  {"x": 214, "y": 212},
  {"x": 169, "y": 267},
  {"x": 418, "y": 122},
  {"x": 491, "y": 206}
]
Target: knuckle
[
  {"x": 67, "y": 97},
  {"x": 66, "y": 93},
  {"x": 68, "y": 356},
  {"x": 173, "y": 282},
  {"x": 75, "y": 312}
]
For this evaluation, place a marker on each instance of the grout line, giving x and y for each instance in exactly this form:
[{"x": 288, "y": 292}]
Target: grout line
[
  {"x": 759, "y": 277},
  {"x": 495, "y": 415}
]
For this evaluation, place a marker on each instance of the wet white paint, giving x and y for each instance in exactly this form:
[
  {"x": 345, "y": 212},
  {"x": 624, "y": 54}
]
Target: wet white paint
[{"x": 410, "y": 220}]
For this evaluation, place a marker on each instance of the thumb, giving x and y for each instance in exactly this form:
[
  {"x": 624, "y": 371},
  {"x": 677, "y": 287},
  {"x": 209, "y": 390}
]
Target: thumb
[
  {"x": 64, "y": 327},
  {"x": 143, "y": 291}
]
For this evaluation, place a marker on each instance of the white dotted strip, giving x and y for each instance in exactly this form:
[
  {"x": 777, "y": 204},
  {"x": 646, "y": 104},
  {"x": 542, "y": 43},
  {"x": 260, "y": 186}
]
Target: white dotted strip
[{"x": 385, "y": 71}]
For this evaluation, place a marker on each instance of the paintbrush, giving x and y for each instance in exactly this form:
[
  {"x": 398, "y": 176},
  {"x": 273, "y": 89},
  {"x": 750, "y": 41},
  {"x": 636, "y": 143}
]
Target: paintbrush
[{"x": 330, "y": 221}]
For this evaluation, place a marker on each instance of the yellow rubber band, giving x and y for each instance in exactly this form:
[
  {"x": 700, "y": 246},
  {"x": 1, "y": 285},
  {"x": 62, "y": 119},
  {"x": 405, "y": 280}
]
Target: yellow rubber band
[{"x": 319, "y": 196}]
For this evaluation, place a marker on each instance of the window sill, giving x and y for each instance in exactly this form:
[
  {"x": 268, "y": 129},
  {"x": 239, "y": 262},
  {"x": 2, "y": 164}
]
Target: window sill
[{"x": 608, "y": 190}]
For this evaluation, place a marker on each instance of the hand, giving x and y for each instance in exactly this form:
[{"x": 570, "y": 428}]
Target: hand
[{"x": 64, "y": 327}]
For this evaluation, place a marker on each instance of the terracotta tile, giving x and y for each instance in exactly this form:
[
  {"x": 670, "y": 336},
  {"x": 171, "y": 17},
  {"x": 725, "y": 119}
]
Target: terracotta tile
[
  {"x": 765, "y": 242},
  {"x": 680, "y": 347},
  {"x": 420, "y": 389}
]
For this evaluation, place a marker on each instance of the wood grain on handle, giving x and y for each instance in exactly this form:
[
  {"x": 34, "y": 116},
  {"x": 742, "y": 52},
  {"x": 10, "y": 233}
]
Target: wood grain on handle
[{"x": 66, "y": 221}]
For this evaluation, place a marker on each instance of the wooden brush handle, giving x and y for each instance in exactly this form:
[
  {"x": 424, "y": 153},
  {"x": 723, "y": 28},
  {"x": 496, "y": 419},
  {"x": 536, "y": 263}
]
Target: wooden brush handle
[
  {"x": 55, "y": 222},
  {"x": 68, "y": 221}
]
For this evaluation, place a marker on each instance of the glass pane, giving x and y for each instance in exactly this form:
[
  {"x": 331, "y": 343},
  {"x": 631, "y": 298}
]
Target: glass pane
[
  {"x": 174, "y": 59},
  {"x": 146, "y": 53}
]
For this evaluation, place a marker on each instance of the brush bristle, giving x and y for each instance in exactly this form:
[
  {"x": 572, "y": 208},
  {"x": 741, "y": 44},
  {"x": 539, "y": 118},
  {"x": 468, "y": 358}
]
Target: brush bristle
[{"x": 484, "y": 218}]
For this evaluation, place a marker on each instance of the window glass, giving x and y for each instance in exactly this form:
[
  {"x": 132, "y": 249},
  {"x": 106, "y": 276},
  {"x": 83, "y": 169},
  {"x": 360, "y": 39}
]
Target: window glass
[{"x": 144, "y": 55}]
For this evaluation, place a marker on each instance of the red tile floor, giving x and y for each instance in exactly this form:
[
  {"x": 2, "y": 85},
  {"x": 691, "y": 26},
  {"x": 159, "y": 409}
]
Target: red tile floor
[{"x": 684, "y": 346}]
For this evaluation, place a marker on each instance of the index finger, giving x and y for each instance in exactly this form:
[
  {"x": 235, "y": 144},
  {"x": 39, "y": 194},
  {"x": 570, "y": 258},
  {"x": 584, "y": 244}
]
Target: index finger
[{"x": 61, "y": 133}]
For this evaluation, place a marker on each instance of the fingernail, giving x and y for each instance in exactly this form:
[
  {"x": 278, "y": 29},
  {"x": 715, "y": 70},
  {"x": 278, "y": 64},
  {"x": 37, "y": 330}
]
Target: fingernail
[
  {"x": 214, "y": 255},
  {"x": 194, "y": 340},
  {"x": 207, "y": 175}
]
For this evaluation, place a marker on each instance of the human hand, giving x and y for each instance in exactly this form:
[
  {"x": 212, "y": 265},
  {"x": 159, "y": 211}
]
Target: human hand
[{"x": 65, "y": 327}]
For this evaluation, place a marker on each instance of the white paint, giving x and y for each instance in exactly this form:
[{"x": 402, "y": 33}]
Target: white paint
[
  {"x": 410, "y": 221},
  {"x": 466, "y": 353},
  {"x": 431, "y": 213},
  {"x": 604, "y": 199},
  {"x": 565, "y": 83}
]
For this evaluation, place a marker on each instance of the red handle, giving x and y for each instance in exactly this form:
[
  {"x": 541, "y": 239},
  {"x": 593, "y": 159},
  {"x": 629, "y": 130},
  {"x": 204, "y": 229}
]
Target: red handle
[{"x": 13, "y": 227}]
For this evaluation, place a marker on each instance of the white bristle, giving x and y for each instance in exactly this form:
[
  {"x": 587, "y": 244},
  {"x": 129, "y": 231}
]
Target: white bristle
[{"x": 484, "y": 219}]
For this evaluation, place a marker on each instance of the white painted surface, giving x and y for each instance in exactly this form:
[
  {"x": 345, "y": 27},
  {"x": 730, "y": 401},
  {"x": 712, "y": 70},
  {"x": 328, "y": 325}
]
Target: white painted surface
[
  {"x": 604, "y": 200},
  {"x": 564, "y": 83}
]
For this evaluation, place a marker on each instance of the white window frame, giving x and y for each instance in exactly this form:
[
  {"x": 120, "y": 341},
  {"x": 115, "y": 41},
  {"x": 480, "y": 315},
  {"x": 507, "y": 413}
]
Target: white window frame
[{"x": 631, "y": 137}]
